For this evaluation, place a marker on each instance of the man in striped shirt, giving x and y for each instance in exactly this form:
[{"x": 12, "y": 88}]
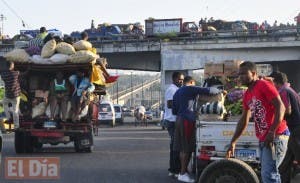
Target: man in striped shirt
[{"x": 12, "y": 92}]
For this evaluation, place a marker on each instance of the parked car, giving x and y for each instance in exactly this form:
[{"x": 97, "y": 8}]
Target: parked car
[
  {"x": 106, "y": 113},
  {"x": 149, "y": 115},
  {"x": 127, "y": 112},
  {"x": 119, "y": 113}
]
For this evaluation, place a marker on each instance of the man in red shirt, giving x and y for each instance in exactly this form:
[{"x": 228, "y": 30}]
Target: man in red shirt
[{"x": 263, "y": 103}]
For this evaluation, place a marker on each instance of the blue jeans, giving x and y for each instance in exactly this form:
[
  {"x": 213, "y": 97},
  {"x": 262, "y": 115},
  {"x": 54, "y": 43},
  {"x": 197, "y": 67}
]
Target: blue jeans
[
  {"x": 174, "y": 161},
  {"x": 270, "y": 160}
]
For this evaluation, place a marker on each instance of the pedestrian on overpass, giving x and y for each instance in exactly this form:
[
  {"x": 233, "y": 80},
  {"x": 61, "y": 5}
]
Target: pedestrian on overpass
[
  {"x": 170, "y": 119},
  {"x": 262, "y": 101},
  {"x": 291, "y": 101},
  {"x": 183, "y": 107}
]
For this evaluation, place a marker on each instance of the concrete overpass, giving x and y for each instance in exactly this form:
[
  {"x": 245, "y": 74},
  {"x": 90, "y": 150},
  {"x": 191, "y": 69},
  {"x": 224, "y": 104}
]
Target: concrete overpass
[{"x": 186, "y": 54}]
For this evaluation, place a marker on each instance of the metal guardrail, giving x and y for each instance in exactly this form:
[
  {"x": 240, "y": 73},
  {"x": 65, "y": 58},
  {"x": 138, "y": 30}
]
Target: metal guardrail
[
  {"x": 128, "y": 90},
  {"x": 129, "y": 40}
]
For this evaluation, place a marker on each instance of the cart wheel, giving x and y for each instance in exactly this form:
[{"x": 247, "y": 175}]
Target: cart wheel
[{"x": 228, "y": 170}]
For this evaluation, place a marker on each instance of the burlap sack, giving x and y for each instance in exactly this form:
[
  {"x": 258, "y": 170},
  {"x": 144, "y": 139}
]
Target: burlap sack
[
  {"x": 65, "y": 48},
  {"x": 48, "y": 49},
  {"x": 82, "y": 45},
  {"x": 83, "y": 56},
  {"x": 17, "y": 55}
]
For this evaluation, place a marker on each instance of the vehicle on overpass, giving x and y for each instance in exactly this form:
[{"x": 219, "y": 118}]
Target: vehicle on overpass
[
  {"x": 170, "y": 27},
  {"x": 102, "y": 32}
]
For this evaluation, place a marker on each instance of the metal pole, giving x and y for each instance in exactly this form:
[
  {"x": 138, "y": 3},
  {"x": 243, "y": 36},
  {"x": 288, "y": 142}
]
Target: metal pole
[
  {"x": 131, "y": 99},
  {"x": 2, "y": 18},
  {"x": 142, "y": 101},
  {"x": 117, "y": 89}
]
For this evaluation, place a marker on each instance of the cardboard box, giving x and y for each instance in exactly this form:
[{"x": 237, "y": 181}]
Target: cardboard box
[
  {"x": 231, "y": 67},
  {"x": 213, "y": 69}
]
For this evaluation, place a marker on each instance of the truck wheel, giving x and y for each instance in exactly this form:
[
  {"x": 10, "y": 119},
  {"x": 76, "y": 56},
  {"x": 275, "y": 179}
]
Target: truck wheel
[
  {"x": 36, "y": 144},
  {"x": 228, "y": 170},
  {"x": 78, "y": 147},
  {"x": 19, "y": 142},
  {"x": 28, "y": 142}
]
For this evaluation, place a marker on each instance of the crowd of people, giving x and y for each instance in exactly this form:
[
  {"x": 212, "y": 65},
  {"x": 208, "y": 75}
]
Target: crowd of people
[
  {"x": 251, "y": 27},
  {"x": 271, "y": 102}
]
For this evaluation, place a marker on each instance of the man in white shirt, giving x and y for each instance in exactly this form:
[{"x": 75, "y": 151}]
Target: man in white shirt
[
  {"x": 170, "y": 119},
  {"x": 141, "y": 110}
]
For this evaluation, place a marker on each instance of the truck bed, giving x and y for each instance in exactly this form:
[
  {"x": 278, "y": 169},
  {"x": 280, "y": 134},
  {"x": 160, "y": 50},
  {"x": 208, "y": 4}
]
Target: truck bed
[{"x": 217, "y": 135}]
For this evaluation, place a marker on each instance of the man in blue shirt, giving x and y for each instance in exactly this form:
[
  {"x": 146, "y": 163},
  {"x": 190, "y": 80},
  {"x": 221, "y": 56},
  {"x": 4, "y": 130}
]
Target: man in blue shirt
[{"x": 183, "y": 107}]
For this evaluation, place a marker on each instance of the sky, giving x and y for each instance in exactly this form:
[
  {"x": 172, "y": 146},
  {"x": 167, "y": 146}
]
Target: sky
[{"x": 71, "y": 15}]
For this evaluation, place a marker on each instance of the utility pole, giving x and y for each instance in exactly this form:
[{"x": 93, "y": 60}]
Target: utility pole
[
  {"x": 117, "y": 89},
  {"x": 2, "y": 18},
  {"x": 142, "y": 101},
  {"x": 131, "y": 98}
]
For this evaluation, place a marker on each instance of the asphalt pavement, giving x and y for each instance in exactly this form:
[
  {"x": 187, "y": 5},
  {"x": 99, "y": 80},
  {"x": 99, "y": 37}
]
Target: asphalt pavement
[{"x": 123, "y": 154}]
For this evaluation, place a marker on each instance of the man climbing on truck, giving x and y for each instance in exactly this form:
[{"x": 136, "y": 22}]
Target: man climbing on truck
[{"x": 262, "y": 101}]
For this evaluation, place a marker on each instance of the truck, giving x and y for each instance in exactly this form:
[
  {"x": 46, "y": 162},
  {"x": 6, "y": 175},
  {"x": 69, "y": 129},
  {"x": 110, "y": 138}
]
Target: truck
[
  {"x": 102, "y": 32},
  {"x": 157, "y": 27},
  {"x": 213, "y": 138},
  {"x": 36, "y": 131}
]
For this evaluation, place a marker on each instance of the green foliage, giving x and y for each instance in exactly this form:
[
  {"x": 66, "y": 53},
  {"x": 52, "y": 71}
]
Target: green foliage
[{"x": 235, "y": 108}]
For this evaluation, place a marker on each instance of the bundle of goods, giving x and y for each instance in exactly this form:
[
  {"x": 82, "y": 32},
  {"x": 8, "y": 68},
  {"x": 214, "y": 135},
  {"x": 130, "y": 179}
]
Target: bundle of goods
[
  {"x": 53, "y": 52},
  {"x": 57, "y": 52},
  {"x": 211, "y": 108}
]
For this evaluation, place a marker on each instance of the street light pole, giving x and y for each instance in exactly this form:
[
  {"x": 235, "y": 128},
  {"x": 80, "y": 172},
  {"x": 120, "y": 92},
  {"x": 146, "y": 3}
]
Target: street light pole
[
  {"x": 142, "y": 101},
  {"x": 131, "y": 98},
  {"x": 117, "y": 89},
  {"x": 2, "y": 18}
]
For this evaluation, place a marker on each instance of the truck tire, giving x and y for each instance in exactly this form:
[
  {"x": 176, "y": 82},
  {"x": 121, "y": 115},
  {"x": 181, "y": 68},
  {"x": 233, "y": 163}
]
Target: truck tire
[
  {"x": 228, "y": 170},
  {"x": 19, "y": 142},
  {"x": 78, "y": 147},
  {"x": 28, "y": 142}
]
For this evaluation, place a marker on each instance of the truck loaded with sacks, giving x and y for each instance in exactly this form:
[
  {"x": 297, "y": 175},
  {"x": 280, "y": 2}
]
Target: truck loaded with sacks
[
  {"x": 49, "y": 112},
  {"x": 216, "y": 124}
]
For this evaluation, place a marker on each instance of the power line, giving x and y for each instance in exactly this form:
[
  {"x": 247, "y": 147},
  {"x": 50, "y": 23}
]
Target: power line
[{"x": 15, "y": 13}]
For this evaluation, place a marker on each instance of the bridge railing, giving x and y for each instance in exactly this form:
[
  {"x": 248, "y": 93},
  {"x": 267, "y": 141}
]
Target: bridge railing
[
  {"x": 128, "y": 40},
  {"x": 128, "y": 90}
]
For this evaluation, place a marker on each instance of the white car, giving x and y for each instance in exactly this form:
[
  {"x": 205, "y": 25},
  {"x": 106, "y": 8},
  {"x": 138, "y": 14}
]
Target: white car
[
  {"x": 119, "y": 113},
  {"x": 106, "y": 113}
]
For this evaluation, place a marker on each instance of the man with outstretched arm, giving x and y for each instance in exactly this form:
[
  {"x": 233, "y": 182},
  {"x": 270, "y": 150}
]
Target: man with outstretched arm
[{"x": 183, "y": 108}]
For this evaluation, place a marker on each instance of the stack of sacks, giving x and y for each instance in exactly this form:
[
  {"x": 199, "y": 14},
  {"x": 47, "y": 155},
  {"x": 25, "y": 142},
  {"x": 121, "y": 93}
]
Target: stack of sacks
[
  {"x": 17, "y": 55},
  {"x": 211, "y": 108},
  {"x": 84, "y": 52},
  {"x": 55, "y": 53}
]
